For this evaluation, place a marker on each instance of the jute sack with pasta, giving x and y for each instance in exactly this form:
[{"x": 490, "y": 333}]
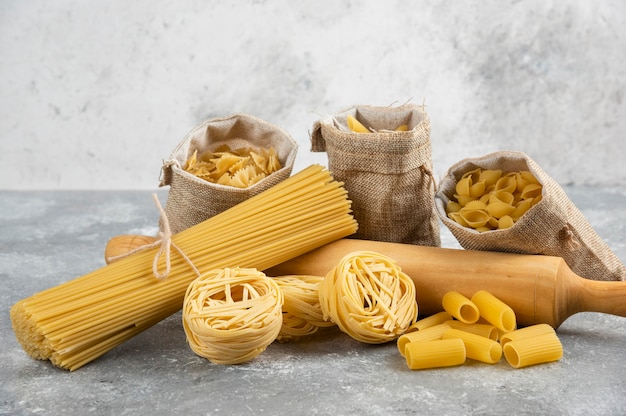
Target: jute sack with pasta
[
  {"x": 383, "y": 157},
  {"x": 223, "y": 162},
  {"x": 541, "y": 219}
]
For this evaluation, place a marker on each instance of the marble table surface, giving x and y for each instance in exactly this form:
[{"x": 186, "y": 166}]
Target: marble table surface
[{"x": 50, "y": 237}]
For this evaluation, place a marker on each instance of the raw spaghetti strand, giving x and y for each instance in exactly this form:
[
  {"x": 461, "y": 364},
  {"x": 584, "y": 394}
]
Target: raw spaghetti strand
[{"x": 75, "y": 322}]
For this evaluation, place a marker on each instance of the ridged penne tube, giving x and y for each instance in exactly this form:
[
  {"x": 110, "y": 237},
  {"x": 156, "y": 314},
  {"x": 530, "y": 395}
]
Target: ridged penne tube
[
  {"x": 484, "y": 330},
  {"x": 496, "y": 312},
  {"x": 434, "y": 354},
  {"x": 477, "y": 347},
  {"x": 527, "y": 332},
  {"x": 429, "y": 334},
  {"x": 460, "y": 307},
  {"x": 432, "y": 320},
  {"x": 540, "y": 349}
]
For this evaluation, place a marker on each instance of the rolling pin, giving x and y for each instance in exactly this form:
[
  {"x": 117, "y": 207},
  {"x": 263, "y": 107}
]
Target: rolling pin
[{"x": 540, "y": 289}]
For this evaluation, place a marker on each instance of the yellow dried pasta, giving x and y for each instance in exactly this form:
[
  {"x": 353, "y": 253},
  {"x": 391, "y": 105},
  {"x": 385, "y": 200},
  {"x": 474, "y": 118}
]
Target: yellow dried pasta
[
  {"x": 230, "y": 315},
  {"x": 302, "y": 313},
  {"x": 356, "y": 126},
  {"x": 239, "y": 168},
  {"x": 433, "y": 354},
  {"x": 489, "y": 199},
  {"x": 460, "y": 307},
  {"x": 432, "y": 320},
  {"x": 477, "y": 347},
  {"x": 369, "y": 297},
  {"x": 524, "y": 352}
]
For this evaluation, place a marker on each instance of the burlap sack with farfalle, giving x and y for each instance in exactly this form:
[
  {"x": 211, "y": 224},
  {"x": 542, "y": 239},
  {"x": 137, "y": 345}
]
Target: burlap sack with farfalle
[
  {"x": 192, "y": 200},
  {"x": 553, "y": 227},
  {"x": 387, "y": 173}
]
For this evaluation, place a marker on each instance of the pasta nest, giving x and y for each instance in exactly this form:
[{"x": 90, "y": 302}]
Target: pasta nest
[
  {"x": 231, "y": 315},
  {"x": 302, "y": 313},
  {"x": 369, "y": 297}
]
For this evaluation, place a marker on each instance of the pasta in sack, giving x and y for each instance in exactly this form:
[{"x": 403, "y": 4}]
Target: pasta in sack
[
  {"x": 552, "y": 225},
  {"x": 383, "y": 157},
  {"x": 192, "y": 198}
]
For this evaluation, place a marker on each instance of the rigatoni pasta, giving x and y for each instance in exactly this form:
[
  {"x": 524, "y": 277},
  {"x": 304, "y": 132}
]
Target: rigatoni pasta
[
  {"x": 460, "y": 307},
  {"x": 434, "y": 354},
  {"x": 482, "y": 342},
  {"x": 484, "y": 330},
  {"x": 477, "y": 347},
  {"x": 539, "y": 349},
  {"x": 496, "y": 312},
  {"x": 432, "y": 320},
  {"x": 431, "y": 333},
  {"x": 531, "y": 331}
]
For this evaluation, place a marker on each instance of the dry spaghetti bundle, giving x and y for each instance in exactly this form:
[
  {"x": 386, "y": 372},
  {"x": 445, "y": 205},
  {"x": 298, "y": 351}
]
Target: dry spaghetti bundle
[
  {"x": 231, "y": 315},
  {"x": 369, "y": 297},
  {"x": 302, "y": 313},
  {"x": 73, "y": 323}
]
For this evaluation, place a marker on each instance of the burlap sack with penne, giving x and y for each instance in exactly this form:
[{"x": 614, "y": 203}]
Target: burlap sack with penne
[
  {"x": 223, "y": 162},
  {"x": 532, "y": 216},
  {"x": 383, "y": 156}
]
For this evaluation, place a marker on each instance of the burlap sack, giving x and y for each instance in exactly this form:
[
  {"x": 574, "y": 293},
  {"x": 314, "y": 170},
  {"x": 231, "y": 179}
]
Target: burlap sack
[
  {"x": 192, "y": 200},
  {"x": 388, "y": 174},
  {"x": 554, "y": 226}
]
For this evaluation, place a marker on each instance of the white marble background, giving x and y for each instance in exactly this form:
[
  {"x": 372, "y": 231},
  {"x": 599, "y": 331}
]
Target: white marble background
[{"x": 95, "y": 94}]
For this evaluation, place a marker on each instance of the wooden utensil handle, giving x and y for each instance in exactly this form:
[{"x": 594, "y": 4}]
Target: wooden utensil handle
[{"x": 601, "y": 296}]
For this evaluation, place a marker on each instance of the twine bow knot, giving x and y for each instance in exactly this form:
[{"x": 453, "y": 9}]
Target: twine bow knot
[{"x": 165, "y": 244}]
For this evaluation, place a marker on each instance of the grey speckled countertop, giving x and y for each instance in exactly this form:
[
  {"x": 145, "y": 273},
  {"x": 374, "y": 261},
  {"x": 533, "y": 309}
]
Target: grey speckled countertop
[{"x": 49, "y": 237}]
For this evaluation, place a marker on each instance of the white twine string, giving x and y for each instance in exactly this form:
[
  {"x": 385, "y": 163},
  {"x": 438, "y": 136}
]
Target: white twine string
[{"x": 165, "y": 244}]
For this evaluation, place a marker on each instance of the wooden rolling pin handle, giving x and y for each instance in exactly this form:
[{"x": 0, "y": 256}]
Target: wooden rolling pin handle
[{"x": 601, "y": 296}]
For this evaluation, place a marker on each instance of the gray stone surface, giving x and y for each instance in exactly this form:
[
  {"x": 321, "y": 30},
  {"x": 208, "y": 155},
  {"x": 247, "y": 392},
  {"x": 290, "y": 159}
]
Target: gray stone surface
[{"x": 50, "y": 237}]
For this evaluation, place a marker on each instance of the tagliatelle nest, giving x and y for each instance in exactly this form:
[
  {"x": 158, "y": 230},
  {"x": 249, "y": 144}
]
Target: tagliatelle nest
[
  {"x": 230, "y": 316},
  {"x": 369, "y": 297},
  {"x": 302, "y": 313}
]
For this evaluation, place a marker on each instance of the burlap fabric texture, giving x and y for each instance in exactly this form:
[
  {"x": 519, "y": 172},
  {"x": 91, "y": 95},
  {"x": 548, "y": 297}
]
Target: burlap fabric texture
[
  {"x": 388, "y": 174},
  {"x": 192, "y": 200},
  {"x": 554, "y": 226}
]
